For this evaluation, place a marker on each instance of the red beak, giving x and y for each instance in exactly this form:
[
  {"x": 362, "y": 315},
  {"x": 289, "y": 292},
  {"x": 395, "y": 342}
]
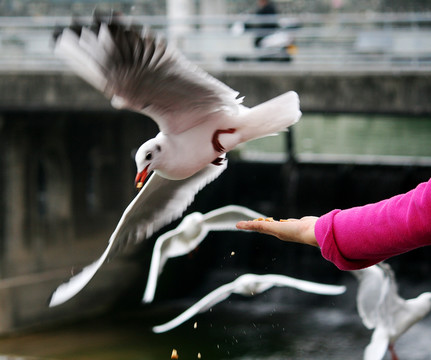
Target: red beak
[{"x": 140, "y": 178}]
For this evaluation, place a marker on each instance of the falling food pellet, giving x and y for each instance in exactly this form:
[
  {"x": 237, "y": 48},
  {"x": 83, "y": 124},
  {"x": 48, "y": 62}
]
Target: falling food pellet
[
  {"x": 195, "y": 325},
  {"x": 232, "y": 253},
  {"x": 174, "y": 354},
  {"x": 199, "y": 356}
]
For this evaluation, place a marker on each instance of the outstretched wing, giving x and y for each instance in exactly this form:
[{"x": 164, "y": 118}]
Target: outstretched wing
[
  {"x": 160, "y": 202},
  {"x": 226, "y": 217},
  {"x": 214, "y": 297},
  {"x": 378, "y": 345},
  {"x": 142, "y": 73},
  {"x": 158, "y": 260},
  {"x": 391, "y": 304},
  {"x": 248, "y": 285},
  {"x": 303, "y": 285},
  {"x": 371, "y": 284}
]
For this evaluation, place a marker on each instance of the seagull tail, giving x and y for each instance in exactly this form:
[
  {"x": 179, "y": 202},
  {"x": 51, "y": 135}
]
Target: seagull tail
[{"x": 272, "y": 116}]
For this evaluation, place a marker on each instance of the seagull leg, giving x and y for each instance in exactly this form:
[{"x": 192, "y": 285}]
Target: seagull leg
[
  {"x": 394, "y": 355},
  {"x": 215, "y": 141}
]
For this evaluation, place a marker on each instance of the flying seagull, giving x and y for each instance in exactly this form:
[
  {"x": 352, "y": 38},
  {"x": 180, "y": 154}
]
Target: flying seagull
[
  {"x": 188, "y": 235},
  {"x": 199, "y": 118},
  {"x": 382, "y": 309},
  {"x": 248, "y": 285}
]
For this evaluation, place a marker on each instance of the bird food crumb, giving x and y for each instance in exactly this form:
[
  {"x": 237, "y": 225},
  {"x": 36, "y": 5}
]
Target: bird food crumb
[
  {"x": 174, "y": 354},
  {"x": 195, "y": 325},
  {"x": 270, "y": 219},
  {"x": 232, "y": 253},
  {"x": 199, "y": 356}
]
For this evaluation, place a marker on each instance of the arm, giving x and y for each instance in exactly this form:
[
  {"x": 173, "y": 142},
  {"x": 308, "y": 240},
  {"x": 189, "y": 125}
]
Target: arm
[
  {"x": 365, "y": 235},
  {"x": 361, "y": 236}
]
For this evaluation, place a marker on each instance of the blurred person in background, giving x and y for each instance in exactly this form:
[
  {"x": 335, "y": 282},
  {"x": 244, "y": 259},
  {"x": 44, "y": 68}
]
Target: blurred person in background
[{"x": 267, "y": 10}]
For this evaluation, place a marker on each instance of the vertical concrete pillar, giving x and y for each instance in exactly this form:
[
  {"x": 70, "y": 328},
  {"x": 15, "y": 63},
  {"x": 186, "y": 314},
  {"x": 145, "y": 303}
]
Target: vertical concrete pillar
[
  {"x": 215, "y": 9},
  {"x": 179, "y": 13},
  {"x": 15, "y": 205}
]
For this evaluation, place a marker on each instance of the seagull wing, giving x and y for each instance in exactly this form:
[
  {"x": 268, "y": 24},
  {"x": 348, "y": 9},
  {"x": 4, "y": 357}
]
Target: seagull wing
[
  {"x": 159, "y": 257},
  {"x": 158, "y": 203},
  {"x": 226, "y": 217},
  {"x": 369, "y": 296},
  {"x": 303, "y": 285},
  {"x": 156, "y": 266},
  {"x": 142, "y": 73},
  {"x": 248, "y": 285},
  {"x": 392, "y": 306},
  {"x": 213, "y": 298},
  {"x": 378, "y": 346}
]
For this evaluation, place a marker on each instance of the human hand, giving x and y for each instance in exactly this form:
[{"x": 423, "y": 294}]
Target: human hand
[{"x": 293, "y": 230}]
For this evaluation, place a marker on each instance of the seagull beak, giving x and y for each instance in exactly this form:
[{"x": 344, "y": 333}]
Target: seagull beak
[{"x": 140, "y": 178}]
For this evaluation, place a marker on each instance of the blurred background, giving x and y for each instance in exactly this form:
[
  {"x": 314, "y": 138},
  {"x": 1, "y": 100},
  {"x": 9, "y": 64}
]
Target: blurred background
[{"x": 362, "y": 70}]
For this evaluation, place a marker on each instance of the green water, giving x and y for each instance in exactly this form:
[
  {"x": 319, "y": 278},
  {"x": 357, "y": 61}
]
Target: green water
[
  {"x": 354, "y": 135},
  {"x": 364, "y": 135}
]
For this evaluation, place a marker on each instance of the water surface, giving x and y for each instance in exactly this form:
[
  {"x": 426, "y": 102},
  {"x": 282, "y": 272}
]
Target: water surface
[{"x": 268, "y": 327}]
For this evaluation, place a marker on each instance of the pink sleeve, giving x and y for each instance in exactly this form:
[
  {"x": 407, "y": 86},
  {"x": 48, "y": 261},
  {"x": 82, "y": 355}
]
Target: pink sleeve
[{"x": 363, "y": 236}]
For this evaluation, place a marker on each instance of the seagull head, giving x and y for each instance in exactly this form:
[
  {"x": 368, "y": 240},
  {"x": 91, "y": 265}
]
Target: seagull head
[{"x": 147, "y": 159}]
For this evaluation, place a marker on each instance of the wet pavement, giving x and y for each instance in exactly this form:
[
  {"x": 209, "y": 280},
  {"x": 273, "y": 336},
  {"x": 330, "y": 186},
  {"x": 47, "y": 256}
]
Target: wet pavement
[{"x": 276, "y": 325}]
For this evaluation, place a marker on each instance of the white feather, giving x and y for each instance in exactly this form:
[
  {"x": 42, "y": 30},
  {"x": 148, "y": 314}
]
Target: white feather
[
  {"x": 168, "y": 200},
  {"x": 248, "y": 285},
  {"x": 382, "y": 309},
  {"x": 188, "y": 235}
]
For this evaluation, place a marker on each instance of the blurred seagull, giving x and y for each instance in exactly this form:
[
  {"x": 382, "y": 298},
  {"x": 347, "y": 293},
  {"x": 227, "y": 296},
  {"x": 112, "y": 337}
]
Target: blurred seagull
[
  {"x": 248, "y": 285},
  {"x": 382, "y": 309},
  {"x": 188, "y": 235},
  {"x": 199, "y": 118}
]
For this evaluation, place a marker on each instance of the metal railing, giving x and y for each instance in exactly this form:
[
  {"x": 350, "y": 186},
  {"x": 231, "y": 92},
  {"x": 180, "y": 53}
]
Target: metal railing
[{"x": 345, "y": 41}]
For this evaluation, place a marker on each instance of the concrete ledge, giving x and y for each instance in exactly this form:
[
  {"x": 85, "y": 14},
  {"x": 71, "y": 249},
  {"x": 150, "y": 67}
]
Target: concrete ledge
[
  {"x": 359, "y": 91},
  {"x": 24, "y": 299},
  {"x": 374, "y": 91},
  {"x": 49, "y": 91}
]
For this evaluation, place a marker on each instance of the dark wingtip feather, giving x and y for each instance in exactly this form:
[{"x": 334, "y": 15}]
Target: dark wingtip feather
[
  {"x": 76, "y": 27},
  {"x": 113, "y": 19},
  {"x": 57, "y": 32}
]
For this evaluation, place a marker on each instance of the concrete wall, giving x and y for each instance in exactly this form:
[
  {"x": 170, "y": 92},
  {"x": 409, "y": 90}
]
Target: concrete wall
[{"x": 357, "y": 91}]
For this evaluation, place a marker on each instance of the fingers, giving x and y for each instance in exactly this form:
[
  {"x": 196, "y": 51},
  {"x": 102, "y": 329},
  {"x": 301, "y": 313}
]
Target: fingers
[
  {"x": 260, "y": 225},
  {"x": 280, "y": 229},
  {"x": 294, "y": 230}
]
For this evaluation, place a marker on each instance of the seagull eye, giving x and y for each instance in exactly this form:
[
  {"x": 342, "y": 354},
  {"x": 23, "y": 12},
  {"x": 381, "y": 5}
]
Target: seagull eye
[{"x": 149, "y": 156}]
